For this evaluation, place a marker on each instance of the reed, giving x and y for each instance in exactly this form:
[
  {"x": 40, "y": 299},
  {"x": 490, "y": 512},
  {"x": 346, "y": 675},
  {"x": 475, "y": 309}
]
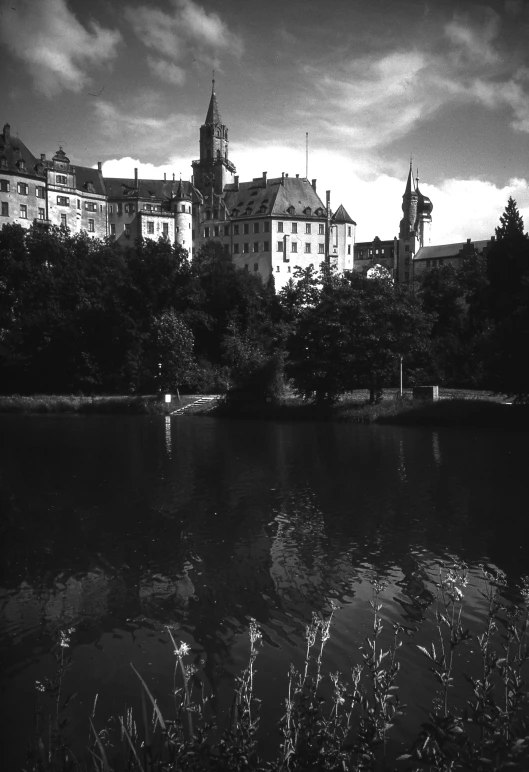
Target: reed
[{"x": 331, "y": 721}]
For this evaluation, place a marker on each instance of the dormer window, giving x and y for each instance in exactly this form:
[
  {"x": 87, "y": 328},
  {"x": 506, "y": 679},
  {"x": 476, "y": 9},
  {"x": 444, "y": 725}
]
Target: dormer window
[
  {"x": 248, "y": 210},
  {"x": 307, "y": 211},
  {"x": 262, "y": 208},
  {"x": 3, "y": 162},
  {"x": 234, "y": 212},
  {"x": 90, "y": 186},
  {"x": 319, "y": 212},
  {"x": 21, "y": 165},
  {"x": 291, "y": 210},
  {"x": 61, "y": 179}
]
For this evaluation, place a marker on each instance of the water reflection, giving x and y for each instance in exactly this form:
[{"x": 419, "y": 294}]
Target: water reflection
[{"x": 121, "y": 526}]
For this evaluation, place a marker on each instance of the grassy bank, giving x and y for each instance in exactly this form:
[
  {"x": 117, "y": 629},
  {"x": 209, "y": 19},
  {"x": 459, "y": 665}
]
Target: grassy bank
[
  {"x": 70, "y": 403},
  {"x": 473, "y": 409}
]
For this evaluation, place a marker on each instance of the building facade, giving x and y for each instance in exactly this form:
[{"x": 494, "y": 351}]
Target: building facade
[{"x": 268, "y": 226}]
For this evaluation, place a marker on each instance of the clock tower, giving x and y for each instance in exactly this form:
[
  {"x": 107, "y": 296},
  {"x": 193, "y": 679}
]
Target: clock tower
[{"x": 213, "y": 170}]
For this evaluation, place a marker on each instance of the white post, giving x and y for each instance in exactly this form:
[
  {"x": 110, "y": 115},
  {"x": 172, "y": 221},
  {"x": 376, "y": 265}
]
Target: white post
[{"x": 400, "y": 355}]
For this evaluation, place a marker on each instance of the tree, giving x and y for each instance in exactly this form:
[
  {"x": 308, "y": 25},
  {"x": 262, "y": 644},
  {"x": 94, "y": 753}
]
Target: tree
[
  {"x": 350, "y": 334},
  {"x": 172, "y": 350}
]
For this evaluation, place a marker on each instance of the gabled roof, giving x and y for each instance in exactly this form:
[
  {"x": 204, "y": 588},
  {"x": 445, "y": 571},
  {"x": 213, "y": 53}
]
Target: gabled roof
[
  {"x": 459, "y": 249},
  {"x": 161, "y": 190},
  {"x": 275, "y": 197},
  {"x": 341, "y": 215}
]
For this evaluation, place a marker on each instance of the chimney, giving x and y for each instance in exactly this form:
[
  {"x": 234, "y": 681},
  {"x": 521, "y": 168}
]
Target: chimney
[
  {"x": 286, "y": 175},
  {"x": 43, "y": 156},
  {"x": 7, "y": 133},
  {"x": 328, "y": 202},
  {"x": 173, "y": 177},
  {"x": 236, "y": 181},
  {"x": 136, "y": 176},
  {"x": 314, "y": 185},
  {"x": 265, "y": 175},
  {"x": 99, "y": 166},
  {"x": 165, "y": 176},
  {"x": 297, "y": 175},
  {"x": 282, "y": 178}
]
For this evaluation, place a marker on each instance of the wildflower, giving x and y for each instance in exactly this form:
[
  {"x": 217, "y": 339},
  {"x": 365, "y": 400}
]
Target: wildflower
[
  {"x": 40, "y": 687},
  {"x": 183, "y": 650}
]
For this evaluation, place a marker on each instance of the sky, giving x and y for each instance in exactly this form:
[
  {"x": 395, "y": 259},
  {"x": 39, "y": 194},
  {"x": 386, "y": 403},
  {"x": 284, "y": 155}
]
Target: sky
[{"x": 445, "y": 82}]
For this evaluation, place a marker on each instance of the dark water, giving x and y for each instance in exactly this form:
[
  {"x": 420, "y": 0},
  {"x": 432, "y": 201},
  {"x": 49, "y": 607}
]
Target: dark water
[{"x": 119, "y": 526}]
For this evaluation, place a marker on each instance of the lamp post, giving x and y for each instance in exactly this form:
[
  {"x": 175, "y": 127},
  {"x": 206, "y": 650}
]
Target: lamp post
[{"x": 400, "y": 357}]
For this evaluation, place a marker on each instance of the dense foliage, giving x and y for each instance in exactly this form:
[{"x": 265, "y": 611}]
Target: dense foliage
[{"x": 82, "y": 315}]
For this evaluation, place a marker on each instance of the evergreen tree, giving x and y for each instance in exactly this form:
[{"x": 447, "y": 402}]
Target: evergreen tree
[{"x": 511, "y": 223}]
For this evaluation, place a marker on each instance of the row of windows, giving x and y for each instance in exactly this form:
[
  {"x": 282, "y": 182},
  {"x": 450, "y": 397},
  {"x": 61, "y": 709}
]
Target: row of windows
[
  {"x": 370, "y": 252},
  {"x": 431, "y": 263},
  {"x": 294, "y": 247},
  {"x": 23, "y": 214},
  {"x": 165, "y": 227},
  {"x": 131, "y": 208},
  {"x": 22, "y": 188}
]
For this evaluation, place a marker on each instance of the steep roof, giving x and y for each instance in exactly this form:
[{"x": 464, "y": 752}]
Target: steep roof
[
  {"x": 459, "y": 249},
  {"x": 14, "y": 151},
  {"x": 410, "y": 185},
  {"x": 85, "y": 174},
  {"x": 275, "y": 197},
  {"x": 341, "y": 215},
  {"x": 213, "y": 115},
  {"x": 125, "y": 187}
]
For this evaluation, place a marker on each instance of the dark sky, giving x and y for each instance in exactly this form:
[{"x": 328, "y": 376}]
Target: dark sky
[{"x": 128, "y": 83}]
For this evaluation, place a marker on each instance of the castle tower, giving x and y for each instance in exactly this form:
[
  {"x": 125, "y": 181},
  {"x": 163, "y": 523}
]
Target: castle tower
[
  {"x": 213, "y": 170},
  {"x": 408, "y": 242},
  {"x": 424, "y": 217},
  {"x": 181, "y": 206}
]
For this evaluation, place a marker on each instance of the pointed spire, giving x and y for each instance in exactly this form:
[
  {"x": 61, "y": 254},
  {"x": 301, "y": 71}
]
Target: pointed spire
[
  {"x": 410, "y": 186},
  {"x": 213, "y": 115}
]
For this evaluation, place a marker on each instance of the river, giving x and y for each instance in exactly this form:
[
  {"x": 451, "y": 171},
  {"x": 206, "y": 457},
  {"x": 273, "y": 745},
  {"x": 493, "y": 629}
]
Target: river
[{"x": 119, "y": 526}]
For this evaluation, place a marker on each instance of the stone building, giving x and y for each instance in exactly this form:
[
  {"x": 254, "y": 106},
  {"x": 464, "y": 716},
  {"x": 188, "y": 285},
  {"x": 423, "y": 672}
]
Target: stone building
[{"x": 57, "y": 192}]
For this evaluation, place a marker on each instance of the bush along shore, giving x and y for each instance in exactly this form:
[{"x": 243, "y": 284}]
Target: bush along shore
[
  {"x": 71, "y": 403},
  {"x": 330, "y": 721}
]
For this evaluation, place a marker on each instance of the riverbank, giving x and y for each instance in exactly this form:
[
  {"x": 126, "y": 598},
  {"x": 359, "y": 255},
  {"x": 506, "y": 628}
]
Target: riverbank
[
  {"x": 71, "y": 403},
  {"x": 455, "y": 408}
]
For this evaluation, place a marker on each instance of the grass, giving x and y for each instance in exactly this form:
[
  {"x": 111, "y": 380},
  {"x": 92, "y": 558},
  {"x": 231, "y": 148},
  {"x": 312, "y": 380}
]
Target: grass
[
  {"x": 52, "y": 403},
  {"x": 333, "y": 721}
]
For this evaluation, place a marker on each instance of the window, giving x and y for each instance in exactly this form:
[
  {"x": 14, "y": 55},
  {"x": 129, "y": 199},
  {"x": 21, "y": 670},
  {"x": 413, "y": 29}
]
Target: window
[
  {"x": 208, "y": 214},
  {"x": 23, "y": 188},
  {"x": 246, "y": 267},
  {"x": 406, "y": 247},
  {"x": 216, "y": 231},
  {"x": 128, "y": 208},
  {"x": 110, "y": 208},
  {"x": 5, "y": 209},
  {"x": 235, "y": 249},
  {"x": 441, "y": 261},
  {"x": 307, "y": 248},
  {"x": 64, "y": 221},
  {"x": 127, "y": 230},
  {"x": 215, "y": 214},
  {"x": 307, "y": 228},
  {"x": 256, "y": 227},
  {"x": 256, "y": 246},
  {"x": 348, "y": 230},
  {"x": 294, "y": 246},
  {"x": 407, "y": 261},
  {"x": 42, "y": 214},
  {"x": 4, "y": 186},
  {"x": 321, "y": 229},
  {"x": 165, "y": 228},
  {"x": 39, "y": 191},
  {"x": 266, "y": 246},
  {"x": 63, "y": 201},
  {"x": 382, "y": 251},
  {"x": 277, "y": 268},
  {"x": 226, "y": 230},
  {"x": 235, "y": 230},
  {"x": 321, "y": 249},
  {"x": 206, "y": 233},
  {"x": 91, "y": 207},
  {"x": 288, "y": 269},
  {"x": 279, "y": 246},
  {"x": 256, "y": 266},
  {"x": 428, "y": 263},
  {"x": 245, "y": 247},
  {"x": 150, "y": 226},
  {"x": 246, "y": 228},
  {"x": 280, "y": 227},
  {"x": 348, "y": 249},
  {"x": 61, "y": 179},
  {"x": 294, "y": 227},
  {"x": 113, "y": 229},
  {"x": 91, "y": 226},
  {"x": 267, "y": 227},
  {"x": 23, "y": 212}
]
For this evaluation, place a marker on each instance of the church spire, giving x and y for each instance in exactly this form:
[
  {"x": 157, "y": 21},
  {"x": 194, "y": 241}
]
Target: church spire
[
  {"x": 213, "y": 115},
  {"x": 410, "y": 186}
]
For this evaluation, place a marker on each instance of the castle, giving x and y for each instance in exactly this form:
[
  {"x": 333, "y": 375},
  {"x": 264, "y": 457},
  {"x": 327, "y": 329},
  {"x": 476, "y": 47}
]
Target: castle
[{"x": 268, "y": 225}]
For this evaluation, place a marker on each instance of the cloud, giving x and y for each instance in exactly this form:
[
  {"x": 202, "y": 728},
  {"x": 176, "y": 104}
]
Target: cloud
[
  {"x": 56, "y": 48},
  {"x": 474, "y": 42},
  {"x": 185, "y": 31},
  {"x": 168, "y": 71}
]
